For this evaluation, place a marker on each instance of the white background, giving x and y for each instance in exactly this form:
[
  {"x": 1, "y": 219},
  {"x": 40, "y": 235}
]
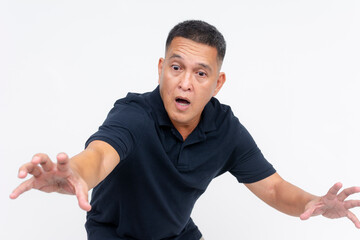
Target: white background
[{"x": 293, "y": 80}]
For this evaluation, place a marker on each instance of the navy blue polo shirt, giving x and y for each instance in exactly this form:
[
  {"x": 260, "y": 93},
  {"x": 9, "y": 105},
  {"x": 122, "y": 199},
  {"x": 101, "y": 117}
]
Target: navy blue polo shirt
[{"x": 150, "y": 194}]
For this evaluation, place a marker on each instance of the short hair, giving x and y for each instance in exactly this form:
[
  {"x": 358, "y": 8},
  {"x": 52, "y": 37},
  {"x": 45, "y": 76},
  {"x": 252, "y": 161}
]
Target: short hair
[{"x": 201, "y": 32}]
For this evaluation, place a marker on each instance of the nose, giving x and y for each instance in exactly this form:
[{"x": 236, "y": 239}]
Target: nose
[{"x": 186, "y": 82}]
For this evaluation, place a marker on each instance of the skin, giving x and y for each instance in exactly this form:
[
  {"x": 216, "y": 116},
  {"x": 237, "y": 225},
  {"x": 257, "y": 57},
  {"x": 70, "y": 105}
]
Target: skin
[
  {"x": 190, "y": 71},
  {"x": 75, "y": 176}
]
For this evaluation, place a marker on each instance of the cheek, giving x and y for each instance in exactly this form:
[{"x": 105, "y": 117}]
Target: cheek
[
  {"x": 167, "y": 88},
  {"x": 212, "y": 91},
  {"x": 166, "y": 91},
  {"x": 207, "y": 91},
  {"x": 169, "y": 83},
  {"x": 203, "y": 97}
]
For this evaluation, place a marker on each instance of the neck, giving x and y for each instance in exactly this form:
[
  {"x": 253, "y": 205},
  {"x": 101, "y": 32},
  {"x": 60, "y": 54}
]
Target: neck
[{"x": 185, "y": 130}]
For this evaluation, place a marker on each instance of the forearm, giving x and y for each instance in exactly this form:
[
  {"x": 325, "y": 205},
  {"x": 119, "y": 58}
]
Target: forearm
[
  {"x": 281, "y": 195},
  {"x": 95, "y": 162},
  {"x": 291, "y": 199},
  {"x": 87, "y": 165}
]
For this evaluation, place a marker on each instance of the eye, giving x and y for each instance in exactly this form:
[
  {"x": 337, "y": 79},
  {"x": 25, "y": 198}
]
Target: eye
[
  {"x": 175, "y": 67},
  {"x": 201, "y": 74}
]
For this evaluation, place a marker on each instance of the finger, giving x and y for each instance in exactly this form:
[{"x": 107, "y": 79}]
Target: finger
[
  {"x": 29, "y": 168},
  {"x": 351, "y": 204},
  {"x": 82, "y": 196},
  {"x": 23, "y": 187},
  {"x": 312, "y": 211},
  {"x": 62, "y": 162},
  {"x": 354, "y": 219},
  {"x": 81, "y": 191},
  {"x": 44, "y": 161},
  {"x": 347, "y": 192},
  {"x": 307, "y": 214},
  {"x": 332, "y": 193},
  {"x": 24, "y": 169},
  {"x": 83, "y": 201}
]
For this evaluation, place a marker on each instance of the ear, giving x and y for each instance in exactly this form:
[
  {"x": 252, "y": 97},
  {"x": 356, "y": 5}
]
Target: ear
[
  {"x": 220, "y": 82},
  {"x": 160, "y": 66}
]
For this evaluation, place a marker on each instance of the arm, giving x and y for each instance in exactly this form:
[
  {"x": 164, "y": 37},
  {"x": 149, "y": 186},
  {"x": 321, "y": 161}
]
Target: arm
[
  {"x": 95, "y": 162},
  {"x": 294, "y": 201},
  {"x": 69, "y": 176},
  {"x": 281, "y": 195}
]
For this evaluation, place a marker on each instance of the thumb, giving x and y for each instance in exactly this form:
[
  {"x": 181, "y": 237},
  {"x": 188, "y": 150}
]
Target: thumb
[
  {"x": 81, "y": 192},
  {"x": 307, "y": 214},
  {"x": 313, "y": 208},
  {"x": 84, "y": 202},
  {"x": 82, "y": 196}
]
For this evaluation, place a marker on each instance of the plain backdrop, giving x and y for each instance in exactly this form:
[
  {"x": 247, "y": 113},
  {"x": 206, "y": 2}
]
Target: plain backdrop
[{"x": 293, "y": 80}]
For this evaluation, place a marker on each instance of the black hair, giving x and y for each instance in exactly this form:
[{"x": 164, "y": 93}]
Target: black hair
[{"x": 201, "y": 32}]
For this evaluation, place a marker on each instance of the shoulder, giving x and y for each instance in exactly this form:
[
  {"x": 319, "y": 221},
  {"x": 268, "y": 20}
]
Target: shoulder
[
  {"x": 135, "y": 101},
  {"x": 131, "y": 111},
  {"x": 223, "y": 116}
]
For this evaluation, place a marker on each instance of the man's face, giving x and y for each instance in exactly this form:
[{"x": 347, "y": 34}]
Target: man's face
[{"x": 188, "y": 76}]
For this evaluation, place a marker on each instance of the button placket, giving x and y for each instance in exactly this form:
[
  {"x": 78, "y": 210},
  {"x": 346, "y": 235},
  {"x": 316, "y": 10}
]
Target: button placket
[{"x": 183, "y": 160}]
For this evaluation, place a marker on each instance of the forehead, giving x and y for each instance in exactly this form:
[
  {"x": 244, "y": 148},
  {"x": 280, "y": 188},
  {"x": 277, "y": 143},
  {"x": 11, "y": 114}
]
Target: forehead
[{"x": 191, "y": 50}]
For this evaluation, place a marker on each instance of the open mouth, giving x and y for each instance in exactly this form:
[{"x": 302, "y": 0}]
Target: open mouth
[{"x": 182, "y": 101}]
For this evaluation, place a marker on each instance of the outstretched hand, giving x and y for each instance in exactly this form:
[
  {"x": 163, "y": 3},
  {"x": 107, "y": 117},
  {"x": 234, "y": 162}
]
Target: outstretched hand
[
  {"x": 53, "y": 177},
  {"x": 333, "y": 205}
]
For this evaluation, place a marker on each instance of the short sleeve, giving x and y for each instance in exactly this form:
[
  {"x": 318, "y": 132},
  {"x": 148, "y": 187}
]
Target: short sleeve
[
  {"x": 121, "y": 129},
  {"x": 250, "y": 165}
]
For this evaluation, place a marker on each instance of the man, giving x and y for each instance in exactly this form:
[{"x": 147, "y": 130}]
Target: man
[{"x": 156, "y": 153}]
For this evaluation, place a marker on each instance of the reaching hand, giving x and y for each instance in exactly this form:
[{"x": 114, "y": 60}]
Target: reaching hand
[
  {"x": 333, "y": 205},
  {"x": 53, "y": 177}
]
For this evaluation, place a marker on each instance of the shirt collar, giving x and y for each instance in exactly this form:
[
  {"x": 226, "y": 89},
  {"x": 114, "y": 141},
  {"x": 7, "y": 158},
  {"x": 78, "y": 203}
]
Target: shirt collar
[
  {"x": 158, "y": 108},
  {"x": 208, "y": 116}
]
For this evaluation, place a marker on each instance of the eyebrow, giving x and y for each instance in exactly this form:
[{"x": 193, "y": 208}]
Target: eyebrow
[
  {"x": 201, "y": 64},
  {"x": 175, "y": 56}
]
